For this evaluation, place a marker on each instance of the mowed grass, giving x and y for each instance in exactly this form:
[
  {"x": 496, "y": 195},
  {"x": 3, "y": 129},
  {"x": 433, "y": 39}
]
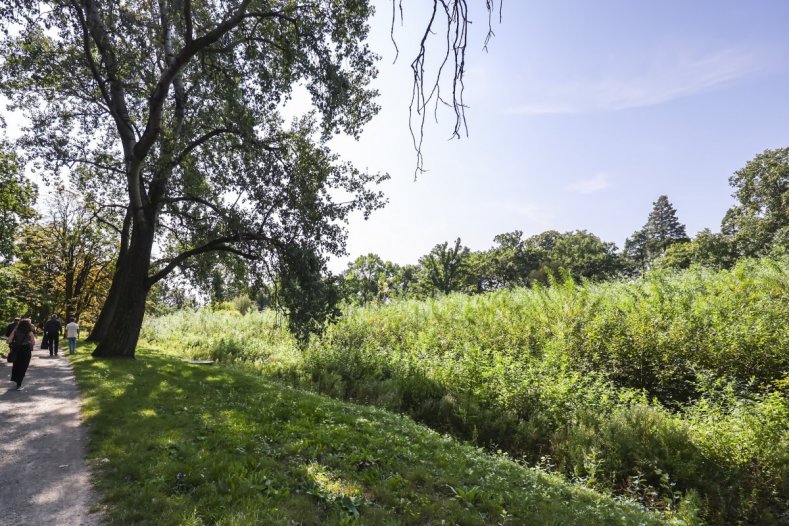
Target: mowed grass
[{"x": 174, "y": 443}]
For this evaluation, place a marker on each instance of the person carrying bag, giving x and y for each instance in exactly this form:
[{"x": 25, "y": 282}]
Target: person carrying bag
[{"x": 22, "y": 340}]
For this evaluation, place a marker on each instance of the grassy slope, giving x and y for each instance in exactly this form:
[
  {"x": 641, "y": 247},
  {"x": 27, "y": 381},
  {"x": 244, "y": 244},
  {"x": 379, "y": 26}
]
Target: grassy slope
[
  {"x": 554, "y": 376},
  {"x": 176, "y": 443}
]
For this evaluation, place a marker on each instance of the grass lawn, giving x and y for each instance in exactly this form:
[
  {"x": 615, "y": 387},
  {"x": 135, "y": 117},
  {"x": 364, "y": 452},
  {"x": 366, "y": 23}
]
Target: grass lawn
[{"x": 177, "y": 443}]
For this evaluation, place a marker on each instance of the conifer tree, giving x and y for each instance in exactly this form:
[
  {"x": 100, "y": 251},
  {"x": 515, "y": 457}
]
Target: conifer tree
[{"x": 661, "y": 230}]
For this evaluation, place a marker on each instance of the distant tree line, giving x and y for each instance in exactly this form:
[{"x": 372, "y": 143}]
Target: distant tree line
[
  {"x": 61, "y": 259},
  {"x": 758, "y": 225}
]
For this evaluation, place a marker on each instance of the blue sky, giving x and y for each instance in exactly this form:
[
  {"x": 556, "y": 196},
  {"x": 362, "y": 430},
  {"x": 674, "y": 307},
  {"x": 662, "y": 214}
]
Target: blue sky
[{"x": 580, "y": 115}]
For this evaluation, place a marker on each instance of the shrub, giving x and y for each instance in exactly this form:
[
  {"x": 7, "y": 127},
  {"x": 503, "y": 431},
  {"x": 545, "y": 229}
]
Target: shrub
[{"x": 669, "y": 390}]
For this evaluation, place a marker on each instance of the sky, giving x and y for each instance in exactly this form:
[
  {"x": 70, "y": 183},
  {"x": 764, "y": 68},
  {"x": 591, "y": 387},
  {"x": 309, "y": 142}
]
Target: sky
[{"x": 580, "y": 115}]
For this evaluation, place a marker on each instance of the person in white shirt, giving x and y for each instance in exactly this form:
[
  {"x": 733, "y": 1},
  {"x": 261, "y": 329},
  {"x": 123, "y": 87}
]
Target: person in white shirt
[{"x": 72, "y": 331}]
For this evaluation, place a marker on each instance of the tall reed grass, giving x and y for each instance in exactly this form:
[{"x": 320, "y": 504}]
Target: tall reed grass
[{"x": 668, "y": 388}]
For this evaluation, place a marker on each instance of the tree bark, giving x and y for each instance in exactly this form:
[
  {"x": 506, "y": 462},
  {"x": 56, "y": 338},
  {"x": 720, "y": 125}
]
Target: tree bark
[
  {"x": 129, "y": 290},
  {"x": 108, "y": 309},
  {"x": 110, "y": 305}
]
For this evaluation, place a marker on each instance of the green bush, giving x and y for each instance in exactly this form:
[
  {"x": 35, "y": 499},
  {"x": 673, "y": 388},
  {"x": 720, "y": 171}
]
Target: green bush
[{"x": 665, "y": 390}]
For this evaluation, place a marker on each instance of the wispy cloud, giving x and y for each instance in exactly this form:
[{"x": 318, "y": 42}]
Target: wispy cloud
[
  {"x": 667, "y": 76},
  {"x": 531, "y": 217},
  {"x": 589, "y": 186}
]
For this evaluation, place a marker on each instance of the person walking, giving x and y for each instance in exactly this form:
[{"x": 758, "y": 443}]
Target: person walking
[
  {"x": 9, "y": 329},
  {"x": 52, "y": 330},
  {"x": 22, "y": 340},
  {"x": 72, "y": 332},
  {"x": 11, "y": 326}
]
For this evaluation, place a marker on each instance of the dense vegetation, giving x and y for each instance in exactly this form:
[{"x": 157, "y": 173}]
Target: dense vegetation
[
  {"x": 668, "y": 388},
  {"x": 174, "y": 119},
  {"x": 225, "y": 447}
]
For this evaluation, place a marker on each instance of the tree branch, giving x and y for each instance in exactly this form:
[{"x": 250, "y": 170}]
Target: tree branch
[
  {"x": 117, "y": 95},
  {"x": 93, "y": 163},
  {"x": 89, "y": 57},
  {"x": 188, "y": 21},
  {"x": 154, "y": 124},
  {"x": 200, "y": 141},
  {"x": 200, "y": 200},
  {"x": 219, "y": 244}
]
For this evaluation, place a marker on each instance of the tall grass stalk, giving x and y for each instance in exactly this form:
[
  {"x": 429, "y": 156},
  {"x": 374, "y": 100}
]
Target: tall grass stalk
[{"x": 665, "y": 388}]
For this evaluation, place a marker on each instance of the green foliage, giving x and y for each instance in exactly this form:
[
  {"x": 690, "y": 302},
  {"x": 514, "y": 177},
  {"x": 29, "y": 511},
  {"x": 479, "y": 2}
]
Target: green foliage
[
  {"x": 173, "y": 115},
  {"x": 613, "y": 384},
  {"x": 11, "y": 305},
  {"x": 179, "y": 444},
  {"x": 713, "y": 250},
  {"x": 243, "y": 304},
  {"x": 308, "y": 298},
  {"x": 585, "y": 256},
  {"x": 257, "y": 339},
  {"x": 66, "y": 260},
  {"x": 661, "y": 231},
  {"x": 370, "y": 278},
  {"x": 760, "y": 221},
  {"x": 442, "y": 270},
  {"x": 17, "y": 196}
]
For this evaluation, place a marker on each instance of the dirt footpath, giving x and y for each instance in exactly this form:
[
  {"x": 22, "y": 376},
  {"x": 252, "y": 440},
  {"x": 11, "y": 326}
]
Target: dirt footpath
[{"x": 43, "y": 475}]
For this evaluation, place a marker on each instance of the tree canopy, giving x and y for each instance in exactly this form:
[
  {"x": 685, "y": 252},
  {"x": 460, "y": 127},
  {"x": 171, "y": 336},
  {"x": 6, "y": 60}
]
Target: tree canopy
[
  {"x": 169, "y": 116},
  {"x": 171, "y": 112},
  {"x": 17, "y": 196},
  {"x": 760, "y": 220},
  {"x": 661, "y": 230}
]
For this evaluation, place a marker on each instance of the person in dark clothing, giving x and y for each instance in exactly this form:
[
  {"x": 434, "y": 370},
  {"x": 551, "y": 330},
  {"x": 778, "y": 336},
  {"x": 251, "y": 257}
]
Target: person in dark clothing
[
  {"x": 11, "y": 326},
  {"x": 52, "y": 330},
  {"x": 22, "y": 340}
]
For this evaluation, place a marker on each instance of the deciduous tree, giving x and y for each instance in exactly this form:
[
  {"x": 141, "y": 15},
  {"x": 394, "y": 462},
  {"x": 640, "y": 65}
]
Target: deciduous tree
[
  {"x": 760, "y": 220},
  {"x": 584, "y": 255},
  {"x": 441, "y": 270},
  {"x": 370, "y": 278},
  {"x": 17, "y": 197},
  {"x": 66, "y": 260},
  {"x": 175, "y": 105}
]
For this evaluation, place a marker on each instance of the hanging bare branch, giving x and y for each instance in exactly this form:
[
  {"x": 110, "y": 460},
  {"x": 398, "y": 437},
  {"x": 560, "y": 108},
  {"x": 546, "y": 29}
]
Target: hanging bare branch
[{"x": 451, "y": 19}]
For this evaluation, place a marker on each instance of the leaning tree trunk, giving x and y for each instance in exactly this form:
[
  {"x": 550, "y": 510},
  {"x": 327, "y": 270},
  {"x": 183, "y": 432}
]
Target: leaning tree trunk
[
  {"x": 119, "y": 336},
  {"x": 108, "y": 309}
]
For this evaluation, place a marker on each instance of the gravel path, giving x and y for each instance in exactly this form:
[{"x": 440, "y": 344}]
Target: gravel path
[{"x": 43, "y": 474}]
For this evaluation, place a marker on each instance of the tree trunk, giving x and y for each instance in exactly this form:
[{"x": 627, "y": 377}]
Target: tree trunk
[
  {"x": 110, "y": 304},
  {"x": 101, "y": 327},
  {"x": 130, "y": 290}
]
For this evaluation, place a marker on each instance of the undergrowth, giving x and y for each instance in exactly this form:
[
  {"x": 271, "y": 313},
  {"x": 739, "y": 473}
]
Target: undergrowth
[
  {"x": 173, "y": 443},
  {"x": 666, "y": 388}
]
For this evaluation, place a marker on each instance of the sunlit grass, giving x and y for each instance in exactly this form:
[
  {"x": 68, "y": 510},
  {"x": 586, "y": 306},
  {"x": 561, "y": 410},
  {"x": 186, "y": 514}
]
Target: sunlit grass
[
  {"x": 663, "y": 389},
  {"x": 174, "y": 443}
]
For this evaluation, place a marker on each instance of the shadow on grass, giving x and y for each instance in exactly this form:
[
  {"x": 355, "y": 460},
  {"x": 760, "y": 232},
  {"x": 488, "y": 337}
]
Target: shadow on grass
[{"x": 177, "y": 443}]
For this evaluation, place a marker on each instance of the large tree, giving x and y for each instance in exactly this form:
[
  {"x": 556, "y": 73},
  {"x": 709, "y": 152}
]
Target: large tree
[
  {"x": 17, "y": 197},
  {"x": 584, "y": 255},
  {"x": 66, "y": 260},
  {"x": 661, "y": 230},
  {"x": 175, "y": 105},
  {"x": 759, "y": 222},
  {"x": 370, "y": 278},
  {"x": 442, "y": 270}
]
